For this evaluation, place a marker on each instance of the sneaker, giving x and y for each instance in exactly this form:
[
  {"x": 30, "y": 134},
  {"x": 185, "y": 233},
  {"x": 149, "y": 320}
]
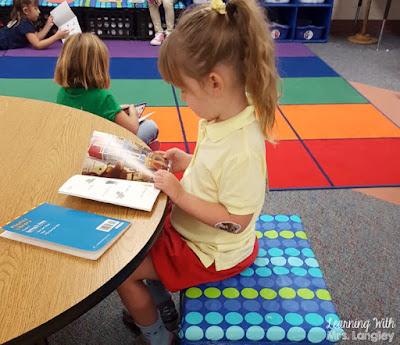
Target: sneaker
[
  {"x": 154, "y": 145},
  {"x": 170, "y": 316},
  {"x": 168, "y": 313},
  {"x": 142, "y": 340},
  {"x": 158, "y": 39}
]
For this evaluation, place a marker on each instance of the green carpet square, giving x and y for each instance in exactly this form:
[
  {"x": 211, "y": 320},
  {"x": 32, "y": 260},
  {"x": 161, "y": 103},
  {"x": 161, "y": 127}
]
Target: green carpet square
[
  {"x": 329, "y": 90},
  {"x": 154, "y": 92},
  {"x": 41, "y": 89}
]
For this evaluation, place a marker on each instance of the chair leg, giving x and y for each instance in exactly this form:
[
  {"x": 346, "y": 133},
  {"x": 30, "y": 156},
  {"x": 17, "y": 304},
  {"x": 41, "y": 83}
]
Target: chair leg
[
  {"x": 385, "y": 16},
  {"x": 357, "y": 14}
]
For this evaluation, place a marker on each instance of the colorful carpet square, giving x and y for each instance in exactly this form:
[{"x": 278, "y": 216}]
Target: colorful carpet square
[
  {"x": 331, "y": 121},
  {"x": 358, "y": 162},
  {"x": 330, "y": 136}
]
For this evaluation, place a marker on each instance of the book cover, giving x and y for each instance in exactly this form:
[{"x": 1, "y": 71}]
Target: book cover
[
  {"x": 65, "y": 19},
  {"x": 66, "y": 230},
  {"x": 117, "y": 171},
  {"x": 140, "y": 109}
]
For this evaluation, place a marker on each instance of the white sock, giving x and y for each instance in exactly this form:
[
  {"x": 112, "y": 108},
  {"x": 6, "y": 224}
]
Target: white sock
[{"x": 156, "y": 333}]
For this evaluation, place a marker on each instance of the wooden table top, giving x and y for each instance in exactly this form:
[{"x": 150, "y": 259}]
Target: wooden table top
[{"x": 41, "y": 146}]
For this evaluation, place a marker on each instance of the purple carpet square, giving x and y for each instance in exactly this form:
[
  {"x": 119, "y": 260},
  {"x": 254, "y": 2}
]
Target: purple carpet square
[
  {"x": 132, "y": 49},
  {"x": 52, "y": 51},
  {"x": 2, "y": 52},
  {"x": 292, "y": 50}
]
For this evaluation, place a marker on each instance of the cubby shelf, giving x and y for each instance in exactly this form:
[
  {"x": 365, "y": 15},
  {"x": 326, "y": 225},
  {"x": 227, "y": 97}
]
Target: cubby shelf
[{"x": 299, "y": 22}]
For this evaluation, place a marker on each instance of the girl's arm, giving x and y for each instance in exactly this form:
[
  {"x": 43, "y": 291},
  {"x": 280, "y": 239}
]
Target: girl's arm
[
  {"x": 49, "y": 24},
  {"x": 42, "y": 44},
  {"x": 206, "y": 212},
  {"x": 129, "y": 122}
]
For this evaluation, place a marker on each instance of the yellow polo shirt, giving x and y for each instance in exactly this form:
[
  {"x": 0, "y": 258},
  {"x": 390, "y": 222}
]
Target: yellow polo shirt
[{"x": 228, "y": 167}]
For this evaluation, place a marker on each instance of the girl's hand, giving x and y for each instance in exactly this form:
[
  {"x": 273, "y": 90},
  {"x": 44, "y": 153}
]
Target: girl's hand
[
  {"x": 60, "y": 34},
  {"x": 179, "y": 159},
  {"x": 49, "y": 21},
  {"x": 133, "y": 111},
  {"x": 169, "y": 184}
]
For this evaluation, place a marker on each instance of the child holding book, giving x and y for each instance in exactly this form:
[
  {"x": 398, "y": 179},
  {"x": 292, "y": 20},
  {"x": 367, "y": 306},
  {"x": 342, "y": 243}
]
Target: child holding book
[
  {"x": 82, "y": 71},
  {"x": 221, "y": 57},
  {"x": 20, "y": 31}
]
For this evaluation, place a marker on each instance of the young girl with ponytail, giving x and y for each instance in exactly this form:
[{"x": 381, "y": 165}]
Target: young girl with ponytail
[{"x": 221, "y": 57}]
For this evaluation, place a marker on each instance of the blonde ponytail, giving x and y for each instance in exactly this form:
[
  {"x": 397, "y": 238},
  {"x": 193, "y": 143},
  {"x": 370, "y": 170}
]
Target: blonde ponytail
[{"x": 205, "y": 37}]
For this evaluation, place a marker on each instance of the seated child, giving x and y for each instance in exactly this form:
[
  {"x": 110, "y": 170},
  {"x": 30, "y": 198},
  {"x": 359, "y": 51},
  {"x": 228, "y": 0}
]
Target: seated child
[
  {"x": 82, "y": 71},
  {"x": 221, "y": 57},
  {"x": 20, "y": 31}
]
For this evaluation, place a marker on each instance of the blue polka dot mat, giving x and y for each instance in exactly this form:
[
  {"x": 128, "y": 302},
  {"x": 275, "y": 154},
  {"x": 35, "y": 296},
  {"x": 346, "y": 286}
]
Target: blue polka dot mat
[{"x": 281, "y": 299}]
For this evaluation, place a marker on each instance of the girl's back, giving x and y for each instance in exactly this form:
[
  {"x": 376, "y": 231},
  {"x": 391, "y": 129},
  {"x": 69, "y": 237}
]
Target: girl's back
[
  {"x": 14, "y": 37},
  {"x": 96, "y": 101}
]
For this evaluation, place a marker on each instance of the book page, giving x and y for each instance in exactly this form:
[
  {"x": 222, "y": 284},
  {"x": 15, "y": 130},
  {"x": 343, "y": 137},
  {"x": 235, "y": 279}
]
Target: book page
[
  {"x": 62, "y": 14},
  {"x": 133, "y": 194},
  {"x": 113, "y": 157},
  {"x": 65, "y": 19},
  {"x": 72, "y": 26},
  {"x": 145, "y": 116}
]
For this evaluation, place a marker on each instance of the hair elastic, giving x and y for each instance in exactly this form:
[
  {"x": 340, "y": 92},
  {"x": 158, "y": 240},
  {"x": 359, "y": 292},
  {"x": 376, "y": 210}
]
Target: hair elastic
[{"x": 219, "y": 6}]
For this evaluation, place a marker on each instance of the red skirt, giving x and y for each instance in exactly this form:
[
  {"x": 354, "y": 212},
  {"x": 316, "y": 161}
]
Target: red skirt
[{"x": 179, "y": 267}]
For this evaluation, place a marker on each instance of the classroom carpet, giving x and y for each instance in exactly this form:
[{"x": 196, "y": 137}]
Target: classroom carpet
[{"x": 330, "y": 136}]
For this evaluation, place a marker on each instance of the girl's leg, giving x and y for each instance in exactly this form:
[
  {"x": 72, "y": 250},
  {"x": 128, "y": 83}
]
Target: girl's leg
[
  {"x": 138, "y": 300},
  {"x": 155, "y": 16},
  {"x": 169, "y": 15},
  {"x": 148, "y": 131},
  {"x": 137, "y": 297}
]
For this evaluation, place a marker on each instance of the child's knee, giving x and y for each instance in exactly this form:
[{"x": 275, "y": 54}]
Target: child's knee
[{"x": 150, "y": 125}]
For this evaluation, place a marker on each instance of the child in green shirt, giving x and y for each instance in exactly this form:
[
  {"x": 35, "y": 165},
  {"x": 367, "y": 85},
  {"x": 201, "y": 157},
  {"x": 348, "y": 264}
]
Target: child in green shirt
[{"x": 82, "y": 71}]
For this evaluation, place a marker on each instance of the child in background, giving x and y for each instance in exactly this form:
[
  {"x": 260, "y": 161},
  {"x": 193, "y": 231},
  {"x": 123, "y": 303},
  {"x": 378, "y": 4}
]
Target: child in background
[
  {"x": 20, "y": 31},
  {"x": 154, "y": 8},
  {"x": 221, "y": 57},
  {"x": 82, "y": 71}
]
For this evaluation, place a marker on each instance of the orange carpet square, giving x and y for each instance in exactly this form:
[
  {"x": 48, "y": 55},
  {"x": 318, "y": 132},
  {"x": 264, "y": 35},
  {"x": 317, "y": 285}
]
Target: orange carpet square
[
  {"x": 168, "y": 123},
  {"x": 190, "y": 121},
  {"x": 339, "y": 121}
]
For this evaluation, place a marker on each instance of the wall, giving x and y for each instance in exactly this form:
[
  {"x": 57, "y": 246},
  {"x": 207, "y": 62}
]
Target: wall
[{"x": 346, "y": 9}]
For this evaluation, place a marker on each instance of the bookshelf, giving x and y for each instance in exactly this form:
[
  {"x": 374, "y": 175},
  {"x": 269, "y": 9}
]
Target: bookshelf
[{"x": 299, "y": 21}]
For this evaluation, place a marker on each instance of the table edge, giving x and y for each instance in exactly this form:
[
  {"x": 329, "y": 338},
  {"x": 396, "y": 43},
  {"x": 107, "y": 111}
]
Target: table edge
[{"x": 43, "y": 331}]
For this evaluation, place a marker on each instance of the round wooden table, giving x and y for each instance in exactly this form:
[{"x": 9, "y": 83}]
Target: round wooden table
[{"x": 41, "y": 146}]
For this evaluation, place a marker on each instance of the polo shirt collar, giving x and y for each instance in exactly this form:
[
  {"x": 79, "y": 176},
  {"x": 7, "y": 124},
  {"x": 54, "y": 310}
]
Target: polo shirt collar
[{"x": 219, "y": 130}]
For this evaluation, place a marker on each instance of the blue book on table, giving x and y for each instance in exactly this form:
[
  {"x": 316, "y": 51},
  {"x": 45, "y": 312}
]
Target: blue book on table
[{"x": 66, "y": 230}]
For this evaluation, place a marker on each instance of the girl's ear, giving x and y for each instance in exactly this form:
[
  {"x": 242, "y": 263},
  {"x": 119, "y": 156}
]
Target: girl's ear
[
  {"x": 215, "y": 83},
  {"x": 25, "y": 10}
]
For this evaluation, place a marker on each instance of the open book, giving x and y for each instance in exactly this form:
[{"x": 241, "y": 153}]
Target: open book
[
  {"x": 140, "y": 109},
  {"x": 66, "y": 230},
  {"x": 117, "y": 171},
  {"x": 65, "y": 19}
]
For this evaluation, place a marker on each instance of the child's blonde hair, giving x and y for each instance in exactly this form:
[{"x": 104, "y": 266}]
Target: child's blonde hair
[
  {"x": 240, "y": 38},
  {"x": 84, "y": 62},
  {"x": 17, "y": 13}
]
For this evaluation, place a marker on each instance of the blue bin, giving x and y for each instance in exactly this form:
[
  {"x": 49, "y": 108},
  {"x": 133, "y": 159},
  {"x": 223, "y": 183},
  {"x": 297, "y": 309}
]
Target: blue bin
[
  {"x": 279, "y": 31},
  {"x": 309, "y": 32}
]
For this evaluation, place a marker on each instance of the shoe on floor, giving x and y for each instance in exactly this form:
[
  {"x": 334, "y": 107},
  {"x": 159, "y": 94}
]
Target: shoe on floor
[
  {"x": 154, "y": 145},
  {"x": 158, "y": 39},
  {"x": 168, "y": 313},
  {"x": 142, "y": 340}
]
